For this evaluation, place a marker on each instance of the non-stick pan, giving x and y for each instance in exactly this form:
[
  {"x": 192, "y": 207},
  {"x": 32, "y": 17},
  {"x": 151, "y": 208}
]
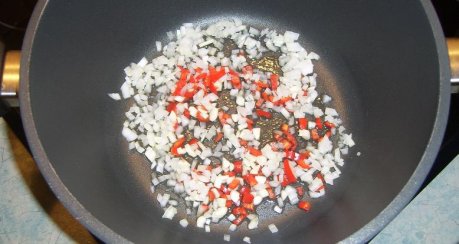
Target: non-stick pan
[{"x": 384, "y": 63}]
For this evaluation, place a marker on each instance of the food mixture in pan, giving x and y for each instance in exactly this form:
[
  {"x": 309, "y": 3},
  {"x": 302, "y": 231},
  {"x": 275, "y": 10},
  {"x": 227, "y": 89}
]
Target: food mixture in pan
[{"x": 229, "y": 117}]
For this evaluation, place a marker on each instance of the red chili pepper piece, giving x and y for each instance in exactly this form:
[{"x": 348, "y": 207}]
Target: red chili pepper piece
[
  {"x": 250, "y": 179},
  {"x": 277, "y": 136},
  {"x": 239, "y": 219},
  {"x": 288, "y": 172},
  {"x": 182, "y": 81},
  {"x": 193, "y": 141},
  {"x": 247, "y": 69},
  {"x": 287, "y": 144},
  {"x": 329, "y": 124},
  {"x": 259, "y": 102},
  {"x": 282, "y": 101},
  {"x": 315, "y": 135},
  {"x": 171, "y": 107},
  {"x": 201, "y": 118},
  {"x": 303, "y": 164},
  {"x": 239, "y": 211},
  {"x": 218, "y": 137},
  {"x": 284, "y": 128},
  {"x": 274, "y": 82},
  {"x": 186, "y": 113},
  {"x": 304, "y": 205},
  {"x": 237, "y": 167},
  {"x": 234, "y": 184},
  {"x": 211, "y": 195},
  {"x": 215, "y": 75},
  {"x": 236, "y": 81},
  {"x": 290, "y": 155},
  {"x": 321, "y": 177},
  {"x": 320, "y": 188},
  {"x": 262, "y": 113},
  {"x": 303, "y": 123},
  {"x": 248, "y": 206},
  {"x": 177, "y": 144},
  {"x": 223, "y": 191},
  {"x": 247, "y": 198},
  {"x": 243, "y": 142},
  {"x": 255, "y": 152},
  {"x": 267, "y": 97},
  {"x": 319, "y": 124},
  {"x": 229, "y": 203}
]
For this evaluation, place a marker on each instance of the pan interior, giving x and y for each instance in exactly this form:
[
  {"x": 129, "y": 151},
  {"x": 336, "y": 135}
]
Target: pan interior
[{"x": 381, "y": 72}]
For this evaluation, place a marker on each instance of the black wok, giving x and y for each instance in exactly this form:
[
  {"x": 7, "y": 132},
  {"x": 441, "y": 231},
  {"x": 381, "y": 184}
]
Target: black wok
[{"x": 384, "y": 63}]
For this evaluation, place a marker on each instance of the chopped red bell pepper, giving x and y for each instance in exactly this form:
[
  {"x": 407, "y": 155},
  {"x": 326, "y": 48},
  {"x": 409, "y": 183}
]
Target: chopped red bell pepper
[
  {"x": 186, "y": 113},
  {"x": 215, "y": 75},
  {"x": 320, "y": 188},
  {"x": 303, "y": 123},
  {"x": 193, "y": 141},
  {"x": 303, "y": 164},
  {"x": 304, "y": 205},
  {"x": 259, "y": 102},
  {"x": 290, "y": 155},
  {"x": 182, "y": 81},
  {"x": 234, "y": 184},
  {"x": 250, "y": 179},
  {"x": 289, "y": 172},
  {"x": 277, "y": 136},
  {"x": 237, "y": 167},
  {"x": 243, "y": 142},
  {"x": 329, "y": 124},
  {"x": 239, "y": 219},
  {"x": 321, "y": 177},
  {"x": 247, "y": 198},
  {"x": 248, "y": 206},
  {"x": 274, "y": 82},
  {"x": 211, "y": 195},
  {"x": 171, "y": 107},
  {"x": 255, "y": 152},
  {"x": 262, "y": 113},
  {"x": 287, "y": 144},
  {"x": 201, "y": 118},
  {"x": 236, "y": 81},
  {"x": 267, "y": 97},
  {"x": 177, "y": 144},
  {"x": 239, "y": 211},
  {"x": 218, "y": 137},
  {"x": 319, "y": 124},
  {"x": 229, "y": 203},
  {"x": 284, "y": 128},
  {"x": 315, "y": 135},
  {"x": 282, "y": 101},
  {"x": 247, "y": 69}
]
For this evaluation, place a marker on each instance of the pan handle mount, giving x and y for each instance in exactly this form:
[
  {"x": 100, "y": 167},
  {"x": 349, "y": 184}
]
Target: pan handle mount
[
  {"x": 10, "y": 74},
  {"x": 453, "y": 52}
]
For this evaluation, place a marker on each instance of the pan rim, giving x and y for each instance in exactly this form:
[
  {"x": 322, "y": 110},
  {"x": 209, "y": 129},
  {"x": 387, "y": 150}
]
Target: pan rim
[
  {"x": 407, "y": 193},
  {"x": 364, "y": 234}
]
